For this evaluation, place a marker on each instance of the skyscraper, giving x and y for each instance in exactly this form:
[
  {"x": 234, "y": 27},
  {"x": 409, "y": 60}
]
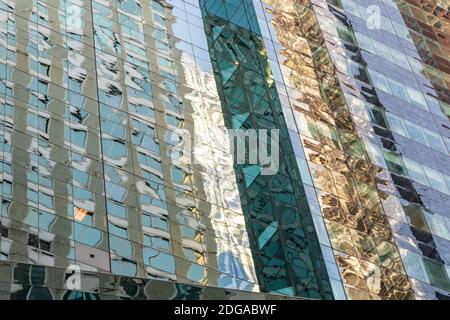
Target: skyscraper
[{"x": 125, "y": 171}]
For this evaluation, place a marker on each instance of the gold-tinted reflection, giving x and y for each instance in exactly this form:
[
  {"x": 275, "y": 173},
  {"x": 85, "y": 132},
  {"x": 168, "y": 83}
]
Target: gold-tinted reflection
[{"x": 345, "y": 178}]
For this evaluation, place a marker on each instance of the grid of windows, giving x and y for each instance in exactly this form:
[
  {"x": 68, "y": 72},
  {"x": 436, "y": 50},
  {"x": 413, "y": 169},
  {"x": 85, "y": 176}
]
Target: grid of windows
[
  {"x": 416, "y": 212},
  {"x": 95, "y": 99},
  {"x": 371, "y": 139},
  {"x": 115, "y": 155}
]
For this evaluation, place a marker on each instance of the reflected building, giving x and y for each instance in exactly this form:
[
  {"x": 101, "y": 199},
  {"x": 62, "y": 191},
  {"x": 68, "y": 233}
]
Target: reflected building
[{"x": 116, "y": 158}]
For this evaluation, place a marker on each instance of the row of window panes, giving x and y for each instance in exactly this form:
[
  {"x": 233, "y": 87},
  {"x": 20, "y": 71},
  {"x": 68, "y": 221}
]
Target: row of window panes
[
  {"x": 149, "y": 222},
  {"x": 45, "y": 123},
  {"x": 414, "y": 131},
  {"x": 77, "y": 174},
  {"x": 408, "y": 94},
  {"x": 386, "y": 24},
  {"x": 163, "y": 262},
  {"x": 92, "y": 236},
  {"x": 114, "y": 191},
  {"x": 43, "y": 116},
  {"x": 397, "y": 57},
  {"x": 45, "y": 64},
  {"x": 183, "y": 29},
  {"x": 63, "y": 35},
  {"x": 411, "y": 130},
  {"x": 416, "y": 171},
  {"x": 405, "y": 93},
  {"x": 407, "y": 129},
  {"x": 436, "y": 47}
]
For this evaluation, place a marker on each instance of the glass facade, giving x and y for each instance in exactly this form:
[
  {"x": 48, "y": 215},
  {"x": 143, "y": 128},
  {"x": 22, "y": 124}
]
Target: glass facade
[
  {"x": 116, "y": 156},
  {"x": 96, "y": 96}
]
